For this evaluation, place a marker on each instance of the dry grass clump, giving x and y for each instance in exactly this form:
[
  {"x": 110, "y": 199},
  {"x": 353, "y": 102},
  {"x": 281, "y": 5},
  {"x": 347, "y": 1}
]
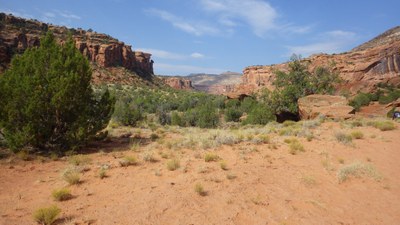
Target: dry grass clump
[
  {"x": 128, "y": 161},
  {"x": 357, "y": 134},
  {"x": 71, "y": 176},
  {"x": 343, "y": 138},
  {"x": 62, "y": 194},
  {"x": 211, "y": 157},
  {"x": 79, "y": 160},
  {"x": 357, "y": 169},
  {"x": 294, "y": 146},
  {"x": 46, "y": 216},
  {"x": 231, "y": 176},
  {"x": 383, "y": 125},
  {"x": 173, "y": 164},
  {"x": 223, "y": 165},
  {"x": 261, "y": 139},
  {"x": 199, "y": 189},
  {"x": 308, "y": 180},
  {"x": 149, "y": 157},
  {"x": 102, "y": 173}
]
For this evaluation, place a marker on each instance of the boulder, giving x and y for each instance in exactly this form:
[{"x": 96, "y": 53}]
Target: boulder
[{"x": 329, "y": 106}]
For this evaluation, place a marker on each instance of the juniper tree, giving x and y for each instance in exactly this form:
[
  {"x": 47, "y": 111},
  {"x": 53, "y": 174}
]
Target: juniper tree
[{"x": 46, "y": 99}]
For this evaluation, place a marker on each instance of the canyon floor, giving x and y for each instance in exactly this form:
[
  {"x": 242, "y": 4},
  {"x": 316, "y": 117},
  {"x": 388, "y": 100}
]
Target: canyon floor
[{"x": 258, "y": 177}]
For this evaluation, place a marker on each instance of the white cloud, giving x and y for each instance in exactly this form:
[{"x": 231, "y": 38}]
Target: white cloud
[
  {"x": 68, "y": 15},
  {"x": 49, "y": 14},
  {"x": 329, "y": 42},
  {"x": 197, "y": 55},
  {"x": 259, "y": 15},
  {"x": 162, "y": 54},
  {"x": 196, "y": 28},
  {"x": 169, "y": 69}
]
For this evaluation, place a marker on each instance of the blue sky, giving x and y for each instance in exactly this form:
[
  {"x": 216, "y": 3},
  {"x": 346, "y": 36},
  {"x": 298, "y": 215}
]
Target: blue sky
[{"x": 213, "y": 36}]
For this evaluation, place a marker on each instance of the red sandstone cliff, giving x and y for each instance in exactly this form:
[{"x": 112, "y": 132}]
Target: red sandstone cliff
[
  {"x": 361, "y": 69},
  {"x": 107, "y": 55},
  {"x": 178, "y": 83}
]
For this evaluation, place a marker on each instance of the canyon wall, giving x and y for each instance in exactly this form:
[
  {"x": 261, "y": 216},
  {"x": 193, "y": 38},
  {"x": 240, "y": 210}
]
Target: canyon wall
[
  {"x": 376, "y": 61},
  {"x": 17, "y": 34}
]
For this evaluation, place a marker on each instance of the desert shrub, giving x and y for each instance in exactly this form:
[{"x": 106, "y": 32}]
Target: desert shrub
[
  {"x": 47, "y": 101},
  {"x": 173, "y": 164},
  {"x": 46, "y": 216},
  {"x": 149, "y": 157},
  {"x": 176, "y": 119},
  {"x": 207, "y": 117},
  {"x": 210, "y": 157},
  {"x": 127, "y": 113},
  {"x": 128, "y": 161},
  {"x": 389, "y": 97},
  {"x": 343, "y": 138},
  {"x": 383, "y": 125},
  {"x": 357, "y": 169},
  {"x": 71, "y": 176},
  {"x": 357, "y": 134},
  {"x": 261, "y": 114},
  {"x": 361, "y": 99},
  {"x": 223, "y": 165},
  {"x": 79, "y": 160},
  {"x": 102, "y": 173},
  {"x": 232, "y": 115},
  {"x": 62, "y": 194},
  {"x": 199, "y": 189},
  {"x": 294, "y": 146}
]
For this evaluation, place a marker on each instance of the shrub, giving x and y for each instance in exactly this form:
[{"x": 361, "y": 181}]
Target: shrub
[
  {"x": 47, "y": 100},
  {"x": 343, "y": 138},
  {"x": 46, "y": 216},
  {"x": 209, "y": 157},
  {"x": 357, "y": 134},
  {"x": 361, "y": 99},
  {"x": 260, "y": 115},
  {"x": 357, "y": 169},
  {"x": 207, "y": 117},
  {"x": 62, "y": 194},
  {"x": 102, "y": 173},
  {"x": 232, "y": 114},
  {"x": 383, "y": 125},
  {"x": 128, "y": 161},
  {"x": 176, "y": 119},
  {"x": 71, "y": 176},
  {"x": 223, "y": 165},
  {"x": 295, "y": 146},
  {"x": 173, "y": 164},
  {"x": 126, "y": 112},
  {"x": 79, "y": 160},
  {"x": 199, "y": 189}
]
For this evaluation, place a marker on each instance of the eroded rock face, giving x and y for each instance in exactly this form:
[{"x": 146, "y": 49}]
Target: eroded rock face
[
  {"x": 17, "y": 34},
  {"x": 329, "y": 106},
  {"x": 178, "y": 83},
  {"x": 361, "y": 69}
]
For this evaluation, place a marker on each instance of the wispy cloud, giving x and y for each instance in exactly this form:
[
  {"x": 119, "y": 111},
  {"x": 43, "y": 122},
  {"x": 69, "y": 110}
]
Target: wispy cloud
[
  {"x": 196, "y": 28},
  {"x": 196, "y": 55},
  {"x": 329, "y": 42},
  {"x": 258, "y": 14},
  {"x": 170, "y": 69},
  {"x": 162, "y": 54},
  {"x": 22, "y": 14}
]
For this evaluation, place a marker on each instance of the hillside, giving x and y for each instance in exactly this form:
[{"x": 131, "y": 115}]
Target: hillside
[
  {"x": 376, "y": 61},
  {"x": 112, "y": 61}
]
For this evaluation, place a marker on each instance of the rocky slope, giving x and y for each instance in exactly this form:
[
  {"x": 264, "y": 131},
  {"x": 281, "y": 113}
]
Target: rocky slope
[
  {"x": 179, "y": 83},
  {"x": 361, "y": 69},
  {"x": 112, "y": 61},
  {"x": 215, "y": 84}
]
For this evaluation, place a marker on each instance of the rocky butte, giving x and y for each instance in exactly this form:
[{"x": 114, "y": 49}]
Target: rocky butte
[
  {"x": 112, "y": 61},
  {"x": 362, "y": 68}
]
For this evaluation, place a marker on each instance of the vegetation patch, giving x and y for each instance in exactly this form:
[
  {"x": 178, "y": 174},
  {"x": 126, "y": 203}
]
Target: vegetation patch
[
  {"x": 199, "y": 189},
  {"x": 211, "y": 157},
  {"x": 128, "y": 161},
  {"x": 358, "y": 169},
  {"x": 71, "y": 176},
  {"x": 357, "y": 134},
  {"x": 46, "y": 216},
  {"x": 383, "y": 125},
  {"x": 173, "y": 164},
  {"x": 62, "y": 194},
  {"x": 343, "y": 138}
]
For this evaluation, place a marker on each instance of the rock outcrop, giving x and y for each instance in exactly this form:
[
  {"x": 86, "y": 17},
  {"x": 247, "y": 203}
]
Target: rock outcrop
[
  {"x": 215, "y": 83},
  {"x": 178, "y": 83},
  {"x": 329, "y": 106},
  {"x": 103, "y": 51},
  {"x": 377, "y": 61}
]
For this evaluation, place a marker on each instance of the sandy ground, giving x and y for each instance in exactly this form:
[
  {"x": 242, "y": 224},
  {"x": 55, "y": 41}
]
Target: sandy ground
[{"x": 267, "y": 184}]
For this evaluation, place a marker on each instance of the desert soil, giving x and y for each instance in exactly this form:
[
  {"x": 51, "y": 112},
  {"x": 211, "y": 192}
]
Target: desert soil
[{"x": 266, "y": 185}]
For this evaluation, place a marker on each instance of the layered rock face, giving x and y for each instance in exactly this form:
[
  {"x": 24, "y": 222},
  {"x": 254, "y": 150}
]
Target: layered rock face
[
  {"x": 329, "y": 106},
  {"x": 17, "y": 34},
  {"x": 377, "y": 61},
  {"x": 178, "y": 83}
]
